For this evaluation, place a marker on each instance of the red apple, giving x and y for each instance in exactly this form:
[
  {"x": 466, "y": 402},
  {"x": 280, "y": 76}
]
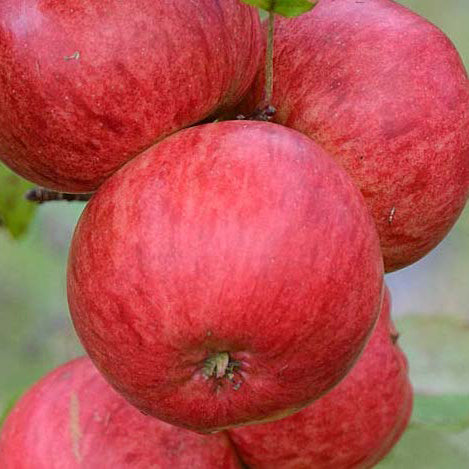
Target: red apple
[
  {"x": 353, "y": 426},
  {"x": 385, "y": 92},
  {"x": 401, "y": 427},
  {"x": 73, "y": 419},
  {"x": 229, "y": 274},
  {"x": 87, "y": 85}
]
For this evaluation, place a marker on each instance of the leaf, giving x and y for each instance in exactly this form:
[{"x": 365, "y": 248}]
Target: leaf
[
  {"x": 423, "y": 448},
  {"x": 291, "y": 8},
  {"x": 438, "y": 349},
  {"x": 262, "y": 4},
  {"x": 15, "y": 212},
  {"x": 287, "y": 8},
  {"x": 450, "y": 412}
]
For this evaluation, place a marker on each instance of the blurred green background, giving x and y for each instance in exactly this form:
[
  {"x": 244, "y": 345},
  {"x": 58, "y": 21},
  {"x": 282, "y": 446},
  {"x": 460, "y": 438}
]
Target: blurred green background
[{"x": 430, "y": 302}]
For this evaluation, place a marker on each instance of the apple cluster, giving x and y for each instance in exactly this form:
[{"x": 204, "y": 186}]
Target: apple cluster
[{"x": 226, "y": 278}]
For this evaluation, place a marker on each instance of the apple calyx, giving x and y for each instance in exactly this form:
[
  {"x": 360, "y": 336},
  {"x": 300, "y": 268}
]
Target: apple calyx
[{"x": 220, "y": 365}]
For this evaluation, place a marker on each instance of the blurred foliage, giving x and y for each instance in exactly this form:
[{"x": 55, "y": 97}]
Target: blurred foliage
[
  {"x": 36, "y": 333},
  {"x": 442, "y": 412},
  {"x": 15, "y": 212},
  {"x": 35, "y": 329},
  {"x": 438, "y": 349},
  {"x": 423, "y": 448}
]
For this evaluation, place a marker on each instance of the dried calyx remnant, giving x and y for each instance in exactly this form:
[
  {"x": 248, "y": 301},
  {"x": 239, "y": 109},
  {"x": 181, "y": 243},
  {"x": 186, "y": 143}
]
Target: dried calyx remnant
[
  {"x": 395, "y": 337},
  {"x": 220, "y": 365}
]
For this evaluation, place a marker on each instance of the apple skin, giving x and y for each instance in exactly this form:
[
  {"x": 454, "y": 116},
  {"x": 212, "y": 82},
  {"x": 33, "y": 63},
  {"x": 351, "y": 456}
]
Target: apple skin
[
  {"x": 73, "y": 419},
  {"x": 353, "y": 426},
  {"x": 243, "y": 238},
  {"x": 400, "y": 429},
  {"x": 386, "y": 94},
  {"x": 85, "y": 86}
]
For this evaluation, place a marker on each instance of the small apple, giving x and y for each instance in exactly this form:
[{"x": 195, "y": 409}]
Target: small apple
[
  {"x": 386, "y": 94},
  {"x": 87, "y": 85},
  {"x": 73, "y": 419},
  {"x": 229, "y": 274},
  {"x": 353, "y": 426}
]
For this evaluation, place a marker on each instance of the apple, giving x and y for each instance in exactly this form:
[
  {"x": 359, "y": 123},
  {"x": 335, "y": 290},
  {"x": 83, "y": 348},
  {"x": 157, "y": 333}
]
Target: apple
[
  {"x": 386, "y": 94},
  {"x": 353, "y": 426},
  {"x": 230, "y": 274},
  {"x": 401, "y": 427},
  {"x": 73, "y": 419},
  {"x": 85, "y": 86}
]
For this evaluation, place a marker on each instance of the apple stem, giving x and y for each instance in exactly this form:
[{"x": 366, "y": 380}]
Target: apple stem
[
  {"x": 41, "y": 195},
  {"x": 269, "y": 62},
  {"x": 265, "y": 111}
]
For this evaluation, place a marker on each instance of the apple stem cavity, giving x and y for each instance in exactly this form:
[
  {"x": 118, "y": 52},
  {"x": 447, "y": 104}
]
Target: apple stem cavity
[{"x": 40, "y": 195}]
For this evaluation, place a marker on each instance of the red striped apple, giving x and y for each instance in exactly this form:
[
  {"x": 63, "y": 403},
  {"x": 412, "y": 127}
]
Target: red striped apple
[
  {"x": 352, "y": 427},
  {"x": 87, "y": 85},
  {"x": 73, "y": 419},
  {"x": 384, "y": 92},
  {"x": 229, "y": 274}
]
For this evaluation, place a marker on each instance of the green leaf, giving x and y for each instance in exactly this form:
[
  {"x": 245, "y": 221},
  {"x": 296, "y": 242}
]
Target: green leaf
[
  {"x": 449, "y": 413},
  {"x": 287, "y": 8},
  {"x": 15, "y": 212},
  {"x": 423, "y": 448},
  {"x": 438, "y": 349},
  {"x": 262, "y": 4},
  {"x": 291, "y": 8}
]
